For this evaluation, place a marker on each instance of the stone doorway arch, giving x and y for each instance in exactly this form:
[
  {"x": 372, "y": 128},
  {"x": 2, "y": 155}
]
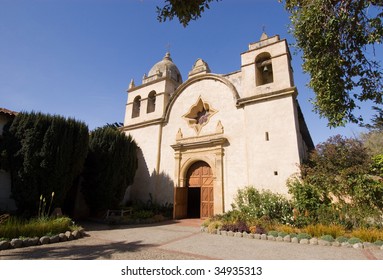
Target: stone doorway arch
[{"x": 207, "y": 151}]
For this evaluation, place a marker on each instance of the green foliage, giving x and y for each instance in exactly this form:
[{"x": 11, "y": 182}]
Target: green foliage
[
  {"x": 327, "y": 237},
  {"x": 185, "y": 11},
  {"x": 334, "y": 37},
  {"x": 252, "y": 203},
  {"x": 109, "y": 168},
  {"x": 337, "y": 186},
  {"x": 44, "y": 154},
  {"x": 377, "y": 165},
  {"x": 16, "y": 227},
  {"x": 303, "y": 235},
  {"x": 342, "y": 239},
  {"x": 354, "y": 240}
]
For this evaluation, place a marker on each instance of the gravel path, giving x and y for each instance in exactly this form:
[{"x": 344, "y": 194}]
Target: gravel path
[{"x": 178, "y": 240}]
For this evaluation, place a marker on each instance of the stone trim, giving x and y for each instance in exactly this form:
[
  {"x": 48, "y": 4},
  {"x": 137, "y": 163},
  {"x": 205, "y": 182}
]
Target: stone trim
[{"x": 267, "y": 96}]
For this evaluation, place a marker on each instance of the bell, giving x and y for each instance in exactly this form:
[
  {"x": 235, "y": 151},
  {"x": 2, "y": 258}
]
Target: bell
[{"x": 265, "y": 69}]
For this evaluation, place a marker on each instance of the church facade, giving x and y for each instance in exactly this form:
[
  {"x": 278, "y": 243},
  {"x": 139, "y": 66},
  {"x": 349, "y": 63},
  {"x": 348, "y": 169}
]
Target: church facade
[{"x": 204, "y": 138}]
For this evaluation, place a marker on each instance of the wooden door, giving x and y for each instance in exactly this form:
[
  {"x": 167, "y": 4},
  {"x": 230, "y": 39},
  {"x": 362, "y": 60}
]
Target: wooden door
[
  {"x": 200, "y": 175},
  {"x": 180, "y": 203}
]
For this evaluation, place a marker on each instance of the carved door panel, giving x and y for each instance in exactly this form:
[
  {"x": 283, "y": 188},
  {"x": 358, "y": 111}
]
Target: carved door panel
[
  {"x": 200, "y": 175},
  {"x": 180, "y": 203}
]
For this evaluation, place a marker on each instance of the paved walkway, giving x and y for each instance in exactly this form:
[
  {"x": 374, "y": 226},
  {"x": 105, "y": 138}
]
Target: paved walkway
[{"x": 180, "y": 240}]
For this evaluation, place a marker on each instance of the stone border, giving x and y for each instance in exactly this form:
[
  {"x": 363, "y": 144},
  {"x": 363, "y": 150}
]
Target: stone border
[
  {"x": 288, "y": 239},
  {"x": 35, "y": 241}
]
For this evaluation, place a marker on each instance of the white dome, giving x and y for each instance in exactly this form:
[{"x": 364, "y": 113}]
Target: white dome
[{"x": 166, "y": 67}]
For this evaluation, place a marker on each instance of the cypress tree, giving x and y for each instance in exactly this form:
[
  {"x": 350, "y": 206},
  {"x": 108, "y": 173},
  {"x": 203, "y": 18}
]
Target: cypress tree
[
  {"x": 44, "y": 154},
  {"x": 109, "y": 168}
]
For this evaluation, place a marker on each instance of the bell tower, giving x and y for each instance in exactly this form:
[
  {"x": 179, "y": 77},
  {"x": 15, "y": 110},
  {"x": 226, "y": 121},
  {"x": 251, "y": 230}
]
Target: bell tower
[
  {"x": 147, "y": 102},
  {"x": 266, "y": 67}
]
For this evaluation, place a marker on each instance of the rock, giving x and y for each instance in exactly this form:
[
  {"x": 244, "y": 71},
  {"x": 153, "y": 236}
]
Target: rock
[
  {"x": 368, "y": 245},
  {"x": 76, "y": 234},
  {"x": 31, "y": 241},
  {"x": 294, "y": 240},
  {"x": 45, "y": 240},
  {"x": 279, "y": 239},
  {"x": 257, "y": 236},
  {"x": 54, "y": 239},
  {"x": 314, "y": 241},
  {"x": 16, "y": 243},
  {"x": 82, "y": 232},
  {"x": 224, "y": 232},
  {"x": 381, "y": 248},
  {"x": 4, "y": 245},
  {"x": 230, "y": 233},
  {"x": 250, "y": 235},
  {"x": 358, "y": 246},
  {"x": 238, "y": 234},
  {"x": 324, "y": 243},
  {"x": 202, "y": 229},
  {"x": 244, "y": 234},
  {"x": 304, "y": 241},
  {"x": 63, "y": 237},
  {"x": 69, "y": 235},
  {"x": 346, "y": 244},
  {"x": 287, "y": 238},
  {"x": 270, "y": 237},
  {"x": 336, "y": 244},
  {"x": 263, "y": 236}
]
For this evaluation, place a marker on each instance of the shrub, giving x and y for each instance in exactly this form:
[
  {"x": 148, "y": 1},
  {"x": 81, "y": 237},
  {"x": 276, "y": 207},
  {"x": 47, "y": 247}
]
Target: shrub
[
  {"x": 273, "y": 233},
  {"x": 354, "y": 240},
  {"x": 252, "y": 203},
  {"x": 301, "y": 236},
  {"x": 109, "y": 168},
  {"x": 239, "y": 226},
  {"x": 327, "y": 237},
  {"x": 44, "y": 154},
  {"x": 257, "y": 230},
  {"x": 342, "y": 239},
  {"x": 378, "y": 242},
  {"x": 213, "y": 226}
]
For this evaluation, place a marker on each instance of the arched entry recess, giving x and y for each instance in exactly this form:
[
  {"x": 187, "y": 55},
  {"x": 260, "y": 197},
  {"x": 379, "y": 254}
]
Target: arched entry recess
[{"x": 199, "y": 164}]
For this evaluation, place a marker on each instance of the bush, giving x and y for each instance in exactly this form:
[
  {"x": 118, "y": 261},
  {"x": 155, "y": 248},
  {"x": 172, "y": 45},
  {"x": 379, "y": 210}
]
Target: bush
[
  {"x": 301, "y": 236},
  {"x": 239, "y": 226},
  {"x": 109, "y": 168},
  {"x": 342, "y": 239},
  {"x": 44, "y": 154},
  {"x": 354, "y": 240},
  {"x": 327, "y": 237},
  {"x": 252, "y": 203}
]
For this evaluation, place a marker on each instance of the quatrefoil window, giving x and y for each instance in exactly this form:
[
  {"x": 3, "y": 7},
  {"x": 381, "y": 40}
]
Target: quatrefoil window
[{"x": 199, "y": 115}]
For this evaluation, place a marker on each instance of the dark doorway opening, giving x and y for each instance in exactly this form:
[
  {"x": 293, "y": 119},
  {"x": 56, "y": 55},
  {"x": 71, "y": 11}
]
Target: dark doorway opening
[{"x": 194, "y": 198}]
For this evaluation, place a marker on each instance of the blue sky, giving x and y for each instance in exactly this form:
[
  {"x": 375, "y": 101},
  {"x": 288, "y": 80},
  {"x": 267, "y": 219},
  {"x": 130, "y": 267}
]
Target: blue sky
[{"x": 76, "y": 57}]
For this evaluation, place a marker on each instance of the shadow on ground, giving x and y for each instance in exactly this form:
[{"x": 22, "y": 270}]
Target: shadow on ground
[{"x": 75, "y": 251}]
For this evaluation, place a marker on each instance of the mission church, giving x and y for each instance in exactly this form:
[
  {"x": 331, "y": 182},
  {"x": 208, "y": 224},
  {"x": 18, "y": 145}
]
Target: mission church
[{"x": 202, "y": 139}]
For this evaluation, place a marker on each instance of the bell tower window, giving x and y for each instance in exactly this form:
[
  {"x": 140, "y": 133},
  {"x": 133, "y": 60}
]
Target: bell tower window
[
  {"x": 136, "y": 107},
  {"x": 264, "y": 69},
  {"x": 151, "y": 102}
]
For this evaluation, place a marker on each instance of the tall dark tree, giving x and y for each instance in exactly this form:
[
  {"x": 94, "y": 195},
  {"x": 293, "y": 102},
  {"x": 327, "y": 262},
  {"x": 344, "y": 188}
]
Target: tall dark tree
[
  {"x": 44, "y": 154},
  {"x": 109, "y": 169}
]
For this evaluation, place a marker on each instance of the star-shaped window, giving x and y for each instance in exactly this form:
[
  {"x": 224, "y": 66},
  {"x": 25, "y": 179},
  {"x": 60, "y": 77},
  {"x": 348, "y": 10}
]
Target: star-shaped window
[{"x": 199, "y": 115}]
